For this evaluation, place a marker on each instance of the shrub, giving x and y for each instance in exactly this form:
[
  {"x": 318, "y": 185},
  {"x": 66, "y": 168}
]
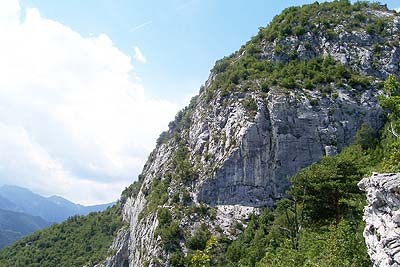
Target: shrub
[
  {"x": 170, "y": 235},
  {"x": 249, "y": 103},
  {"x": 199, "y": 239},
  {"x": 164, "y": 216}
]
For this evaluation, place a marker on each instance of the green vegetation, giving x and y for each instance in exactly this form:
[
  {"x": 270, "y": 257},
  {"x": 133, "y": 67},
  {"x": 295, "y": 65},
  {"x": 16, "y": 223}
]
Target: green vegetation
[
  {"x": 330, "y": 189},
  {"x": 202, "y": 258},
  {"x": 390, "y": 146},
  {"x": 132, "y": 190},
  {"x": 250, "y": 104},
  {"x": 79, "y": 241},
  {"x": 314, "y": 74},
  {"x": 198, "y": 240},
  {"x": 317, "y": 18},
  {"x": 182, "y": 121},
  {"x": 156, "y": 196},
  {"x": 170, "y": 234},
  {"x": 183, "y": 169}
]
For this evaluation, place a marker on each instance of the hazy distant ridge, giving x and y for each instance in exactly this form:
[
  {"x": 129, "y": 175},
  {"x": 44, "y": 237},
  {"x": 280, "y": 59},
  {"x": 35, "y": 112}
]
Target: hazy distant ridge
[{"x": 52, "y": 209}]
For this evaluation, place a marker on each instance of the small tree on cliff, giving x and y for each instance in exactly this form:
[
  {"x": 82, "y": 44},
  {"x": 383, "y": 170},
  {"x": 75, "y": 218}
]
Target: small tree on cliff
[{"x": 391, "y": 103}]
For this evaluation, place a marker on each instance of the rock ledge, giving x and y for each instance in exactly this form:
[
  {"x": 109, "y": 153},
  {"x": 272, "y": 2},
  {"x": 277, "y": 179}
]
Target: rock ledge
[{"x": 382, "y": 217}]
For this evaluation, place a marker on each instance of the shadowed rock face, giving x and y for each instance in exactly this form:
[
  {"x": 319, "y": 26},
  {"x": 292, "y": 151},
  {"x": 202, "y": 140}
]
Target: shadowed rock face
[
  {"x": 382, "y": 217},
  {"x": 287, "y": 134}
]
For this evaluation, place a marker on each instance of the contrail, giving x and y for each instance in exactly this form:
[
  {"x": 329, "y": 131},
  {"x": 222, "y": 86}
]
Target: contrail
[{"x": 140, "y": 26}]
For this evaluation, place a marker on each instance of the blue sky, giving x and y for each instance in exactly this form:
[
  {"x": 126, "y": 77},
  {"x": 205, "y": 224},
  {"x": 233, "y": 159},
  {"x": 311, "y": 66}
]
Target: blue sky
[{"x": 87, "y": 86}]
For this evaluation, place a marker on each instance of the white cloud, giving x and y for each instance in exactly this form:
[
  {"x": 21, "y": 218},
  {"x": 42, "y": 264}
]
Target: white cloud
[
  {"x": 398, "y": 10},
  {"x": 9, "y": 12},
  {"x": 74, "y": 118},
  {"x": 139, "y": 55}
]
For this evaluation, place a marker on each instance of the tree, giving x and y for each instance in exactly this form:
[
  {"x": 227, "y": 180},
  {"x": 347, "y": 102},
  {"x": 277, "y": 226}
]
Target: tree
[
  {"x": 329, "y": 188},
  {"x": 294, "y": 217},
  {"x": 391, "y": 86},
  {"x": 366, "y": 137},
  {"x": 202, "y": 258},
  {"x": 391, "y": 103}
]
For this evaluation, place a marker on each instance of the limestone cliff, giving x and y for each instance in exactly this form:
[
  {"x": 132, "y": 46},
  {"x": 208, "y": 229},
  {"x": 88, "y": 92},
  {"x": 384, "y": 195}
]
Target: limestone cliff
[
  {"x": 382, "y": 217},
  {"x": 233, "y": 148}
]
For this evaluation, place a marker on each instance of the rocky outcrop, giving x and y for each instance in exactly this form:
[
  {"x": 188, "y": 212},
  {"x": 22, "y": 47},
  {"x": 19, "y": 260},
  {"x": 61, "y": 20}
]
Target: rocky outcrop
[{"x": 382, "y": 217}]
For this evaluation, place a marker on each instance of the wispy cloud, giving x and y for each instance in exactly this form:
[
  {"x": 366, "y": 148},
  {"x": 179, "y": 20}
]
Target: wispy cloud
[
  {"x": 139, "y": 55},
  {"x": 141, "y": 26}
]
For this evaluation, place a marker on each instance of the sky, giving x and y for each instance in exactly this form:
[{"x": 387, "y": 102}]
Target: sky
[{"x": 87, "y": 86}]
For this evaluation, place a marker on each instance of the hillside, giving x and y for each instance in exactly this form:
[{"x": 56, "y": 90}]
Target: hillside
[
  {"x": 78, "y": 241},
  {"x": 14, "y": 225},
  {"x": 261, "y": 168}
]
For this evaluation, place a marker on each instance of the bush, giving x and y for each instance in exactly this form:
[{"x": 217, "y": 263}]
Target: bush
[
  {"x": 249, "y": 103},
  {"x": 199, "y": 239},
  {"x": 170, "y": 235},
  {"x": 288, "y": 82},
  {"x": 164, "y": 216}
]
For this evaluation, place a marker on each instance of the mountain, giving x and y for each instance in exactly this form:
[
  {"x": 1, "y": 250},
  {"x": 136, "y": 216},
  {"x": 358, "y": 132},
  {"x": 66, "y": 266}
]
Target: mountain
[
  {"x": 14, "y": 225},
  {"x": 52, "y": 209},
  {"x": 8, "y": 205},
  {"x": 78, "y": 209},
  {"x": 261, "y": 168}
]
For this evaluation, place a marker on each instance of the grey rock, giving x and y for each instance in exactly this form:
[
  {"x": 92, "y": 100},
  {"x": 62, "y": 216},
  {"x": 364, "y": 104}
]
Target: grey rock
[
  {"x": 286, "y": 134},
  {"x": 382, "y": 217}
]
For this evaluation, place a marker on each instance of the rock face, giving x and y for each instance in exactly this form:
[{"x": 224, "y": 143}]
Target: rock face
[
  {"x": 382, "y": 217},
  {"x": 286, "y": 134}
]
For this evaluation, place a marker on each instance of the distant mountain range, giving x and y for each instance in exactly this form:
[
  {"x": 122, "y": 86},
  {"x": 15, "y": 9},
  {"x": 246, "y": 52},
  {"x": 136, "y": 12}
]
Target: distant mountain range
[
  {"x": 23, "y": 212},
  {"x": 14, "y": 225},
  {"x": 52, "y": 209}
]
